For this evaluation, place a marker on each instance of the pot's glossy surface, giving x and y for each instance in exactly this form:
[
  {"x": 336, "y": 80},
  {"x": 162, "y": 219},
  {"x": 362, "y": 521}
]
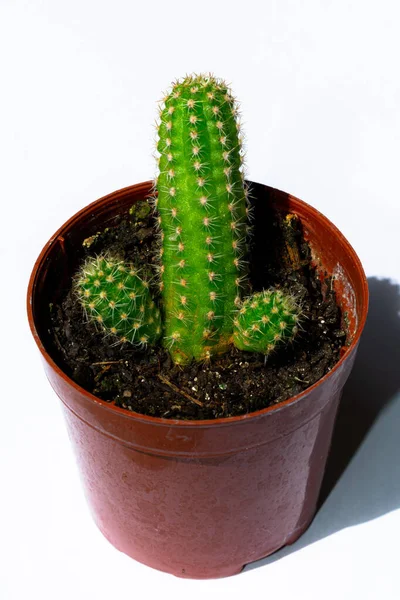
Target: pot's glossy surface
[{"x": 200, "y": 498}]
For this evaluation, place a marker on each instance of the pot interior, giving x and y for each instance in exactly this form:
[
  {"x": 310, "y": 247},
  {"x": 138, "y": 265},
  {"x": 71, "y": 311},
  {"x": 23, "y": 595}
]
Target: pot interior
[{"x": 331, "y": 252}]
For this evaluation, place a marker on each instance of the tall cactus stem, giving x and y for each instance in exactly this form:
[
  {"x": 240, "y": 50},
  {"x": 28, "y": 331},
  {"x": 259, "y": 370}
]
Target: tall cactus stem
[{"x": 202, "y": 216}]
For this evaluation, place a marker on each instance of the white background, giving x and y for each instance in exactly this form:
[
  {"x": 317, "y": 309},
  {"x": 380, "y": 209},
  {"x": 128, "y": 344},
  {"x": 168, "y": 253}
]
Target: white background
[{"x": 319, "y": 85}]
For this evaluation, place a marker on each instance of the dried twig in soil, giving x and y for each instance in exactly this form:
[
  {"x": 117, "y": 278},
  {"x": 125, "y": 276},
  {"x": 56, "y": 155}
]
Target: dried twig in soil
[{"x": 178, "y": 390}]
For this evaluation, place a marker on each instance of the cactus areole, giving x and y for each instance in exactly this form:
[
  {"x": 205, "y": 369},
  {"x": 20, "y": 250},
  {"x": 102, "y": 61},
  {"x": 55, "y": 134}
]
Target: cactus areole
[{"x": 202, "y": 216}]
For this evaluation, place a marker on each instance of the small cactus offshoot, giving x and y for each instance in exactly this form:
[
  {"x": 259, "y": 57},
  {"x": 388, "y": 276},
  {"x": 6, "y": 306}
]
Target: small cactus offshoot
[
  {"x": 118, "y": 300},
  {"x": 265, "y": 320},
  {"x": 202, "y": 216}
]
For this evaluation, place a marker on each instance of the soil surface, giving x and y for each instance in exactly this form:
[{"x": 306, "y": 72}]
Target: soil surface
[{"x": 147, "y": 382}]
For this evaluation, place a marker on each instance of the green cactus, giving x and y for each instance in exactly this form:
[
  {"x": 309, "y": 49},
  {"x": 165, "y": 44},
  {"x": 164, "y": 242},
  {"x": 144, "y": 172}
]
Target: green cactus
[
  {"x": 202, "y": 212},
  {"x": 114, "y": 296},
  {"x": 202, "y": 215},
  {"x": 265, "y": 320}
]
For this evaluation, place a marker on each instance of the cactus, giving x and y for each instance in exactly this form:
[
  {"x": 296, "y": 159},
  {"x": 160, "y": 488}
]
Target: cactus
[
  {"x": 114, "y": 296},
  {"x": 202, "y": 216},
  {"x": 265, "y": 320}
]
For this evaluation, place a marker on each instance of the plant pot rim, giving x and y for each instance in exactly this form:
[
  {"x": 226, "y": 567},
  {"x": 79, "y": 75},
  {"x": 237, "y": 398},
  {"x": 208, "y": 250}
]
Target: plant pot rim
[{"x": 204, "y": 422}]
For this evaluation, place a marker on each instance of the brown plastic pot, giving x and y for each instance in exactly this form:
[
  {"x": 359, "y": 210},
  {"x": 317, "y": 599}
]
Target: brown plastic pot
[{"x": 200, "y": 499}]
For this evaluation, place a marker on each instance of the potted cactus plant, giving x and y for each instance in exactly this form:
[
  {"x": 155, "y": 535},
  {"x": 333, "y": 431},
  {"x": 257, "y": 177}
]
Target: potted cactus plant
[{"x": 197, "y": 498}]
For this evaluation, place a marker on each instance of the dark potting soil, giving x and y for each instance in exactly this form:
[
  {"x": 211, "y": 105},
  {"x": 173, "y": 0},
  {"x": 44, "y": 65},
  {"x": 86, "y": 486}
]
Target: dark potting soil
[{"x": 146, "y": 381}]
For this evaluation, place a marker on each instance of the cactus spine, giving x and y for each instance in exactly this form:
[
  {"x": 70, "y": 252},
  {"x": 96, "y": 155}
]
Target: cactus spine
[
  {"x": 114, "y": 296},
  {"x": 265, "y": 320},
  {"x": 202, "y": 216}
]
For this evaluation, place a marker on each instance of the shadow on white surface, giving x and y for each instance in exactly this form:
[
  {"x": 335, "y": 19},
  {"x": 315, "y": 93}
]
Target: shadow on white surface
[{"x": 362, "y": 480}]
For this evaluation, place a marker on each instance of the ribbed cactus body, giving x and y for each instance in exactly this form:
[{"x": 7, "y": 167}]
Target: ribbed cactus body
[
  {"x": 114, "y": 296},
  {"x": 202, "y": 208},
  {"x": 265, "y": 320}
]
